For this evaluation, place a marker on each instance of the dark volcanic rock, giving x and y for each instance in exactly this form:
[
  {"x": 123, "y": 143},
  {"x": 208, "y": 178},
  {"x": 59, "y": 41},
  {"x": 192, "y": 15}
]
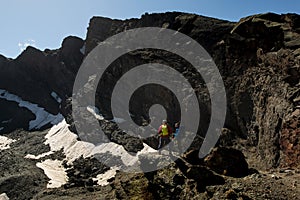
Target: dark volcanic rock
[
  {"x": 13, "y": 117},
  {"x": 204, "y": 176},
  {"x": 131, "y": 144},
  {"x": 82, "y": 171},
  {"x": 226, "y": 161},
  {"x": 192, "y": 157},
  {"x": 289, "y": 141},
  {"x": 201, "y": 174}
]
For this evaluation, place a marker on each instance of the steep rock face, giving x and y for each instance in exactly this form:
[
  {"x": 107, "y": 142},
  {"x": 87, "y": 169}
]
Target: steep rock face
[
  {"x": 206, "y": 30},
  {"x": 258, "y": 58},
  {"x": 264, "y": 92}
]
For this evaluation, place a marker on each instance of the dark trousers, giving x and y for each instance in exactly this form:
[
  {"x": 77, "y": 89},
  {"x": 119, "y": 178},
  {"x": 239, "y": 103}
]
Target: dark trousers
[{"x": 163, "y": 141}]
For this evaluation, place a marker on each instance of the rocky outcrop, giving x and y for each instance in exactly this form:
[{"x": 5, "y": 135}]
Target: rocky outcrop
[
  {"x": 226, "y": 161},
  {"x": 82, "y": 171},
  {"x": 262, "y": 99}
]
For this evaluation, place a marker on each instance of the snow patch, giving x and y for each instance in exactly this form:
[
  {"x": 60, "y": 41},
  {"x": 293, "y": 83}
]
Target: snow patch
[
  {"x": 3, "y": 196},
  {"x": 5, "y": 142},
  {"x": 95, "y": 111},
  {"x": 33, "y": 157},
  {"x": 102, "y": 179},
  {"x": 60, "y": 137},
  {"x": 42, "y": 117},
  {"x": 118, "y": 150},
  {"x": 118, "y": 120},
  {"x": 1, "y": 128},
  {"x": 56, "y": 97},
  {"x": 55, "y": 171}
]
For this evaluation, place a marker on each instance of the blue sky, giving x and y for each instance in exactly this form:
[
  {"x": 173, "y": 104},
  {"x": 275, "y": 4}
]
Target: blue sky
[{"x": 44, "y": 23}]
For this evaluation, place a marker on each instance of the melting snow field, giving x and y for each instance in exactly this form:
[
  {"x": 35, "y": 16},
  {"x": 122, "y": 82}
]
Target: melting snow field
[
  {"x": 42, "y": 117},
  {"x": 5, "y": 142},
  {"x": 55, "y": 171},
  {"x": 102, "y": 178},
  {"x": 60, "y": 137}
]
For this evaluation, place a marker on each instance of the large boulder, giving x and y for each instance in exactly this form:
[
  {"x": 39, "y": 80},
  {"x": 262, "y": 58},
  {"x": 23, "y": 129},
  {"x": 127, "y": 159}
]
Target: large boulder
[{"x": 227, "y": 161}]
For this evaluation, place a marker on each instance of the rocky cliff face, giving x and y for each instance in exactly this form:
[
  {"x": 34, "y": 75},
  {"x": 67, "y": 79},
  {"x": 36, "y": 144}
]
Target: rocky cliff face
[{"x": 259, "y": 60}]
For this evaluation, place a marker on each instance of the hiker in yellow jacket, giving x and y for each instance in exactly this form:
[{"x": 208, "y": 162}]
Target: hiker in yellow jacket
[{"x": 164, "y": 132}]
